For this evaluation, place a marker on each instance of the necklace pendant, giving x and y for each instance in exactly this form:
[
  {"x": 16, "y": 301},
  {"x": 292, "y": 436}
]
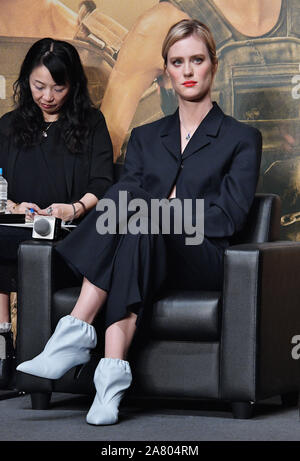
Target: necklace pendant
[
  {"x": 188, "y": 137},
  {"x": 44, "y": 132}
]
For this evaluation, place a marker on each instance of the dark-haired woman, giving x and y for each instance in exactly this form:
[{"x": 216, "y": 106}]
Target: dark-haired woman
[{"x": 55, "y": 153}]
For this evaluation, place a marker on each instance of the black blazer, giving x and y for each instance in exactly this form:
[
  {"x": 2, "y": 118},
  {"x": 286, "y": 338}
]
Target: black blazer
[
  {"x": 220, "y": 164},
  {"x": 91, "y": 171}
]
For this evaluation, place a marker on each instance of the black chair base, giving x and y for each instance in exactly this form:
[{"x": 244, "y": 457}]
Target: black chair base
[
  {"x": 242, "y": 410},
  {"x": 40, "y": 400}
]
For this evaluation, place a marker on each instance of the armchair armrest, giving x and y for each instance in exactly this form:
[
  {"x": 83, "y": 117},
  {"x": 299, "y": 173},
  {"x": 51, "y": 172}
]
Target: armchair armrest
[
  {"x": 41, "y": 271},
  {"x": 261, "y": 314}
]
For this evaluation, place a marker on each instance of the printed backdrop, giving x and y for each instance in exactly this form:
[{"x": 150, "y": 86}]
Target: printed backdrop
[{"x": 119, "y": 41}]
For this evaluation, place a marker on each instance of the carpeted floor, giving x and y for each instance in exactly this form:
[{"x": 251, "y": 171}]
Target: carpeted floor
[{"x": 152, "y": 421}]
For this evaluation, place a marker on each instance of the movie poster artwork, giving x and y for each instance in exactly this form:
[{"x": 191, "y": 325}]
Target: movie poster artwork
[{"x": 119, "y": 41}]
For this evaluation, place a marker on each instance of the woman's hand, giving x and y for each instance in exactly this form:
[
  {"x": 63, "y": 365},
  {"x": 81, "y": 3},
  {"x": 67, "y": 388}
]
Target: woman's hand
[
  {"x": 63, "y": 211},
  {"x": 23, "y": 208}
]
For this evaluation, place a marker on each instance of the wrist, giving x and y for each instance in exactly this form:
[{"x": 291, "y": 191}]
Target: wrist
[
  {"x": 11, "y": 206},
  {"x": 76, "y": 211},
  {"x": 80, "y": 208}
]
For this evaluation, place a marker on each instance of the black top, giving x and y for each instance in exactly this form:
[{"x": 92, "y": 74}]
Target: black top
[
  {"x": 49, "y": 173},
  {"x": 39, "y": 174}
]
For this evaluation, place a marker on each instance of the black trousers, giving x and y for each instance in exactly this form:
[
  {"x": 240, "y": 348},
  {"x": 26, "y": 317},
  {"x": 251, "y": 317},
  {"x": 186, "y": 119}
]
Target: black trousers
[
  {"x": 10, "y": 239},
  {"x": 133, "y": 269}
]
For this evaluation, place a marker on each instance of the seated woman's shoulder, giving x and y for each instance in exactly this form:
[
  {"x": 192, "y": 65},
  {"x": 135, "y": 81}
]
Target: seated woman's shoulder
[
  {"x": 239, "y": 128},
  {"x": 6, "y": 121},
  {"x": 94, "y": 116}
]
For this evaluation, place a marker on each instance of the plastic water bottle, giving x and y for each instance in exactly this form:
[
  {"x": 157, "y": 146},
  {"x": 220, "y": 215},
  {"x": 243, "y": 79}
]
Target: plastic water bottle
[{"x": 3, "y": 193}]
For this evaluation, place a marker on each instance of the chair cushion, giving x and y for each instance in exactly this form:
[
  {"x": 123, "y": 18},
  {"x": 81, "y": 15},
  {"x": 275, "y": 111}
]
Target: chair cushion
[
  {"x": 63, "y": 302},
  {"x": 178, "y": 315},
  {"x": 187, "y": 316}
]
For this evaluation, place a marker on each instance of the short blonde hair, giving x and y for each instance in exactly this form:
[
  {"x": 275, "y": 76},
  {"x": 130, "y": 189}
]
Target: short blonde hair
[{"x": 186, "y": 28}]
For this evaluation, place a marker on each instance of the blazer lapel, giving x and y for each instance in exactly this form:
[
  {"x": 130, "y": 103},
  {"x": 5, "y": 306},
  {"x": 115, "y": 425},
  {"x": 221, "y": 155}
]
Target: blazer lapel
[
  {"x": 170, "y": 135},
  {"x": 208, "y": 128},
  {"x": 198, "y": 140}
]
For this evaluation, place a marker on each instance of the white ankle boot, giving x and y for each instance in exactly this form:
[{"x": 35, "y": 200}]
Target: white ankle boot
[
  {"x": 69, "y": 346},
  {"x": 112, "y": 377}
]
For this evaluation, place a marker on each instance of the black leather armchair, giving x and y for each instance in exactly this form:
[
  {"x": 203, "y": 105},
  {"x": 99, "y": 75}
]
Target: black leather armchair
[{"x": 233, "y": 345}]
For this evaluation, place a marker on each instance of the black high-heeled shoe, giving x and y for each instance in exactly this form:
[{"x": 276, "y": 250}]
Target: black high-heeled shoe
[{"x": 7, "y": 356}]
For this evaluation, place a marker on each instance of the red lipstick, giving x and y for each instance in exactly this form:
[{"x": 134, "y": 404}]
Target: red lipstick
[{"x": 189, "y": 83}]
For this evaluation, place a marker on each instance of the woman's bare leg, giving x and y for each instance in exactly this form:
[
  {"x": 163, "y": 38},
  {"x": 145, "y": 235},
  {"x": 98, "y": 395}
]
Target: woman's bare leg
[
  {"x": 90, "y": 300},
  {"x": 118, "y": 337},
  {"x": 4, "y": 308}
]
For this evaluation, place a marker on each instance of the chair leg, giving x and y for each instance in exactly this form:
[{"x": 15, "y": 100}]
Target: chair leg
[
  {"x": 40, "y": 400},
  {"x": 290, "y": 399},
  {"x": 242, "y": 410}
]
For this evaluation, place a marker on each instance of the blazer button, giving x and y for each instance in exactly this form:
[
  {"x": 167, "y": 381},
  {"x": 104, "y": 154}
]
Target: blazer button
[{"x": 181, "y": 166}]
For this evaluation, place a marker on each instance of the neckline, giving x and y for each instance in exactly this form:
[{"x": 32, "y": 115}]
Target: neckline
[
  {"x": 47, "y": 123},
  {"x": 204, "y": 118},
  {"x": 203, "y": 125},
  {"x": 249, "y": 37}
]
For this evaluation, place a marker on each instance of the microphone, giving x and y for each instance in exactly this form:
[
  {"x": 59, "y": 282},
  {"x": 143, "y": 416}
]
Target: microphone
[
  {"x": 46, "y": 227},
  {"x": 42, "y": 227}
]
